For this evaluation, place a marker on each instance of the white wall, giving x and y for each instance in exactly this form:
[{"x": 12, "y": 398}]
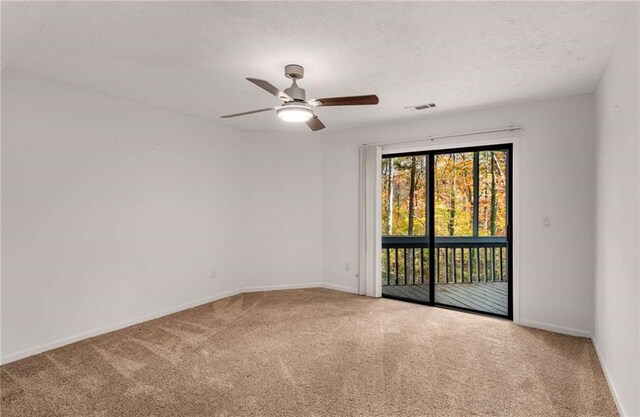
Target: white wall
[
  {"x": 556, "y": 180},
  {"x": 112, "y": 211},
  {"x": 281, "y": 221},
  {"x": 617, "y": 290}
]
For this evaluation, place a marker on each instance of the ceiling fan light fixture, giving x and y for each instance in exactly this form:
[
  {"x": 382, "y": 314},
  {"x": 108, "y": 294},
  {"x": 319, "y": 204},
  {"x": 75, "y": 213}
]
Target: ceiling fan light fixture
[{"x": 294, "y": 112}]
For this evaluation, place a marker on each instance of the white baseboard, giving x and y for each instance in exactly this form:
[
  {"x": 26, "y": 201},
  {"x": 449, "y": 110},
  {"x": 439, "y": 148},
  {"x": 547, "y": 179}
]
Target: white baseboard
[
  {"x": 339, "y": 288},
  {"x": 282, "y": 287},
  {"x": 301, "y": 286},
  {"x": 107, "y": 329},
  {"x": 612, "y": 387},
  {"x": 553, "y": 328}
]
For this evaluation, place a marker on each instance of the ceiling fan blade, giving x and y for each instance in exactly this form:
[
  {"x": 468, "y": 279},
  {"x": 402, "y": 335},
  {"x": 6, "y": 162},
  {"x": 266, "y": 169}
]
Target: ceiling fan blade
[
  {"x": 346, "y": 101},
  {"x": 315, "y": 124},
  {"x": 247, "y": 112},
  {"x": 270, "y": 88}
]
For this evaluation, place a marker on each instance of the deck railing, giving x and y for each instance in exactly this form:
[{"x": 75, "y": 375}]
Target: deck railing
[{"x": 405, "y": 259}]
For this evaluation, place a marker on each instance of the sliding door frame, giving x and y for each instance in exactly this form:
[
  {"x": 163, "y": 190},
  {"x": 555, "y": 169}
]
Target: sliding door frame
[{"x": 430, "y": 182}]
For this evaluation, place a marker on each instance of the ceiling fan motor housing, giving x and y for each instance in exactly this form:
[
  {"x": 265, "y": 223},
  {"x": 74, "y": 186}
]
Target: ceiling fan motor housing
[
  {"x": 295, "y": 72},
  {"x": 295, "y": 92}
]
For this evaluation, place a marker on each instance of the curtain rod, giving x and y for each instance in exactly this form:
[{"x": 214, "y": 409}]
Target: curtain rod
[{"x": 480, "y": 132}]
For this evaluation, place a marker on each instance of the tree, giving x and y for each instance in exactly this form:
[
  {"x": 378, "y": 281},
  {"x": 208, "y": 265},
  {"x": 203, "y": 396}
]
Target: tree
[
  {"x": 404, "y": 200},
  {"x": 452, "y": 198},
  {"x": 414, "y": 177},
  {"x": 390, "y": 197},
  {"x": 494, "y": 208}
]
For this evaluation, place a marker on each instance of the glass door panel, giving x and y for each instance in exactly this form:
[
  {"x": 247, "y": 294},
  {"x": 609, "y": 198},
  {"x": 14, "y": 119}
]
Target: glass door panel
[
  {"x": 405, "y": 244},
  {"x": 471, "y": 218}
]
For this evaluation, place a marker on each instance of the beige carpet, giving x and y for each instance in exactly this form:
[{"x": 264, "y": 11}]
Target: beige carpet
[{"x": 313, "y": 353}]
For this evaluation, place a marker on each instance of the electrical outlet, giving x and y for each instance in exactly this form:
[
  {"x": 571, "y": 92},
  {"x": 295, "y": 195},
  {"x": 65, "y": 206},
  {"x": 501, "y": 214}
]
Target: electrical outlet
[
  {"x": 546, "y": 222},
  {"x": 214, "y": 274},
  {"x": 347, "y": 266}
]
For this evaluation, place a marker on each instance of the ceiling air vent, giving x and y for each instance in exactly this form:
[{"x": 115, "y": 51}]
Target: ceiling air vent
[{"x": 422, "y": 106}]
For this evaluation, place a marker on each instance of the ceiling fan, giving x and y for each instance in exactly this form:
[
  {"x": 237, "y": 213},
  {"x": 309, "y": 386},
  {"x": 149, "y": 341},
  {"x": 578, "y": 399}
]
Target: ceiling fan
[{"x": 295, "y": 106}]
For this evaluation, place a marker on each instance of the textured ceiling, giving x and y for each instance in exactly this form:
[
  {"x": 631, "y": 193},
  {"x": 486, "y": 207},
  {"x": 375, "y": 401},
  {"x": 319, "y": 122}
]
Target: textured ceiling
[{"x": 192, "y": 57}]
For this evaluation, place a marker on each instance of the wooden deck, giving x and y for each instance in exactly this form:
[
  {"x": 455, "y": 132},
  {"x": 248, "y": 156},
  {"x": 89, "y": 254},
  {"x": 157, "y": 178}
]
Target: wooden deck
[{"x": 490, "y": 297}]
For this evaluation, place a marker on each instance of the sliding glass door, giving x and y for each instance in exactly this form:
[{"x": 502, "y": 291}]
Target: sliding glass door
[{"x": 458, "y": 203}]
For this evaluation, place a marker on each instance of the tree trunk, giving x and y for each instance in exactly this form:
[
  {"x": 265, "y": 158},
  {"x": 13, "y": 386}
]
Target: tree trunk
[
  {"x": 427, "y": 210},
  {"x": 452, "y": 200},
  {"x": 390, "y": 201},
  {"x": 412, "y": 192},
  {"x": 494, "y": 208}
]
